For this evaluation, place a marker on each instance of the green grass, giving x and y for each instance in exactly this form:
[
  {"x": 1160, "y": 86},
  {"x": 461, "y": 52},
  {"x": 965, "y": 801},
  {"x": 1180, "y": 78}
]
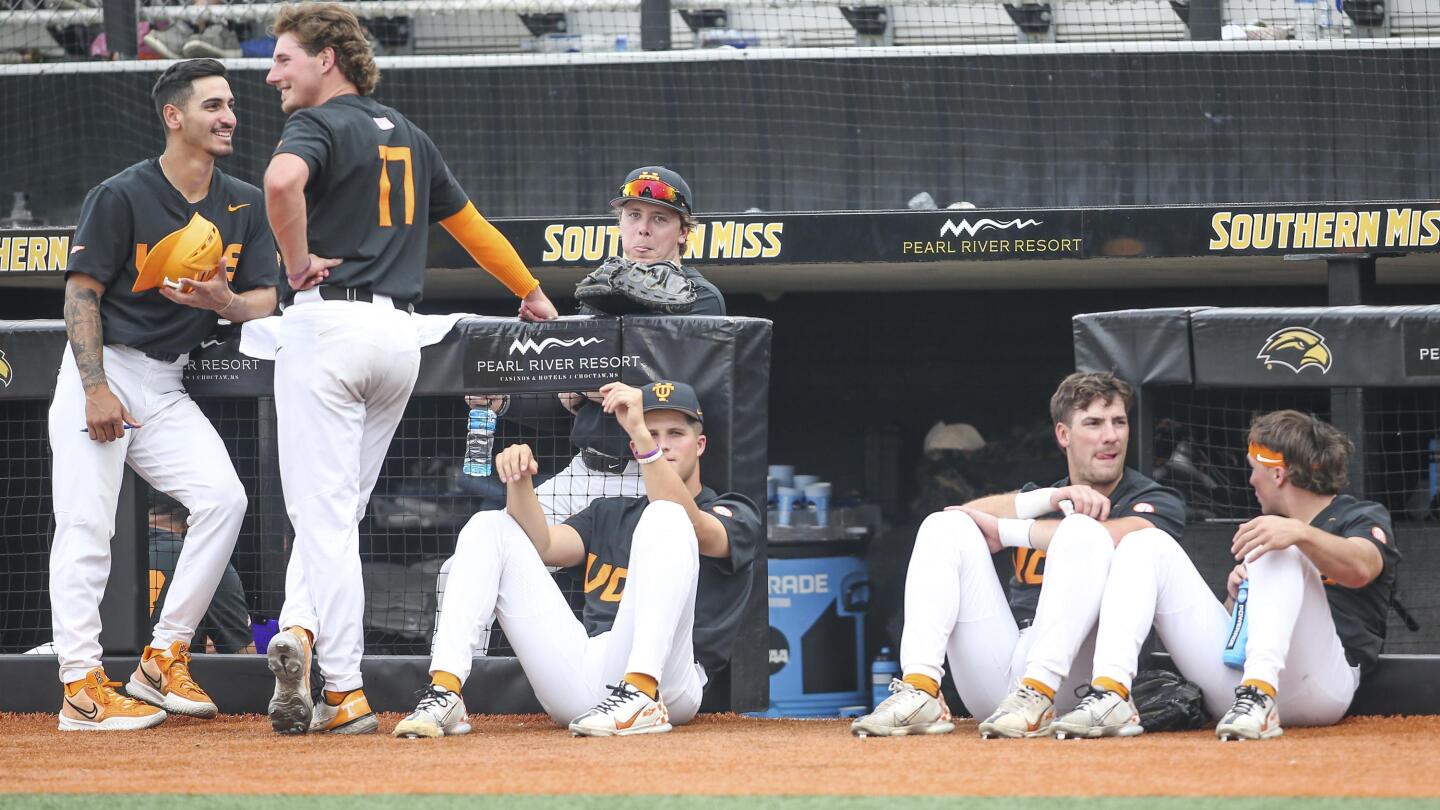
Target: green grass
[{"x": 35, "y": 801}]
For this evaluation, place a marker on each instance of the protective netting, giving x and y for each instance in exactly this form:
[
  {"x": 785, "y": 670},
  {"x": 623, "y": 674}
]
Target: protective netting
[
  {"x": 797, "y": 104},
  {"x": 421, "y": 502}
]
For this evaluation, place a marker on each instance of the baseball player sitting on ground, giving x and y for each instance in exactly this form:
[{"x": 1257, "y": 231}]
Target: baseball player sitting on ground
[
  {"x": 353, "y": 187},
  {"x": 119, "y": 397},
  {"x": 1321, "y": 568},
  {"x": 955, "y": 606},
  {"x": 653, "y": 209},
  {"x": 667, "y": 578}
]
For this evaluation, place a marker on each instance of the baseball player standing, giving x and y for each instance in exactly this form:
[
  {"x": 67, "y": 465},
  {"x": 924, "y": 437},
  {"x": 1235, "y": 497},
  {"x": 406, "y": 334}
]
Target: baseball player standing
[
  {"x": 955, "y": 606},
  {"x": 1321, "y": 567},
  {"x": 667, "y": 577},
  {"x": 119, "y": 397},
  {"x": 351, "y": 188}
]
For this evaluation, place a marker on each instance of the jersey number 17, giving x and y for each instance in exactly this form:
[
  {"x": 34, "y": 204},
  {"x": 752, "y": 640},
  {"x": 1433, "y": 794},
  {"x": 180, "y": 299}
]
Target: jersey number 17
[{"x": 396, "y": 154}]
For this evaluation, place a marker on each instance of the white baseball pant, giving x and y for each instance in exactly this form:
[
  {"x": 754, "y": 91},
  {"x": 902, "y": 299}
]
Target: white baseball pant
[
  {"x": 344, "y": 371},
  {"x": 1292, "y": 643},
  {"x": 955, "y": 609},
  {"x": 178, "y": 452},
  {"x": 502, "y": 575},
  {"x": 562, "y": 496}
]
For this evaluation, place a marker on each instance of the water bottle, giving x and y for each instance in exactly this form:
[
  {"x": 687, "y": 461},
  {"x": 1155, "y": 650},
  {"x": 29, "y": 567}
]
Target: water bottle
[
  {"x": 1324, "y": 22},
  {"x": 1234, "y": 655},
  {"x": 1305, "y": 19},
  {"x": 479, "y": 442},
  {"x": 882, "y": 670}
]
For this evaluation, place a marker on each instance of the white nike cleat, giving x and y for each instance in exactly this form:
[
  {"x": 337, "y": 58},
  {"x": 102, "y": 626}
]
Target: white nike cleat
[
  {"x": 1253, "y": 716},
  {"x": 440, "y": 713},
  {"x": 908, "y": 710},
  {"x": 1027, "y": 712},
  {"x": 1101, "y": 713},
  {"x": 627, "y": 711}
]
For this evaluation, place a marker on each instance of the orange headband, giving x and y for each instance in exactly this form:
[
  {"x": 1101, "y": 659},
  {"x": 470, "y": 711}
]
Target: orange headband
[{"x": 1266, "y": 457}]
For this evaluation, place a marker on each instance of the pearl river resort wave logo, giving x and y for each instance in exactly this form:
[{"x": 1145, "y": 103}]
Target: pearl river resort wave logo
[
  {"x": 529, "y": 345},
  {"x": 967, "y": 228},
  {"x": 996, "y": 238}
]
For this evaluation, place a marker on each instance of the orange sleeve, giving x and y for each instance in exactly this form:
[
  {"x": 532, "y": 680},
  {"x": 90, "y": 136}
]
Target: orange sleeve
[{"x": 490, "y": 249}]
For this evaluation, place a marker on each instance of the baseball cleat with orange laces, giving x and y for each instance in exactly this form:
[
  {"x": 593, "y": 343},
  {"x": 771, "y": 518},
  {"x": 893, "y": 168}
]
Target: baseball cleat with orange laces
[
  {"x": 92, "y": 704},
  {"x": 163, "y": 679}
]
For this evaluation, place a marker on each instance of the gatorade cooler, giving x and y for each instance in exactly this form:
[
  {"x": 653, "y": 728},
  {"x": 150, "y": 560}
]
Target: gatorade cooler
[{"x": 819, "y": 593}]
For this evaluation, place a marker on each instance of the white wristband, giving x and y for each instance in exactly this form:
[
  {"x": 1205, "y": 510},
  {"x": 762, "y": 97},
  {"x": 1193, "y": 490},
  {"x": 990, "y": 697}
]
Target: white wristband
[
  {"x": 1034, "y": 504},
  {"x": 1015, "y": 533}
]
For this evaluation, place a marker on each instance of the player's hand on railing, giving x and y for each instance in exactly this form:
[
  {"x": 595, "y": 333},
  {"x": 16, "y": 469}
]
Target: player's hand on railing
[
  {"x": 537, "y": 307},
  {"x": 515, "y": 462}
]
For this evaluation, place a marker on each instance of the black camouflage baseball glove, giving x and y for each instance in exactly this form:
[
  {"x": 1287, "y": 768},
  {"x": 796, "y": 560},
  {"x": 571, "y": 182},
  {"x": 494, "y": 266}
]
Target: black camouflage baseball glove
[
  {"x": 622, "y": 287},
  {"x": 1167, "y": 702}
]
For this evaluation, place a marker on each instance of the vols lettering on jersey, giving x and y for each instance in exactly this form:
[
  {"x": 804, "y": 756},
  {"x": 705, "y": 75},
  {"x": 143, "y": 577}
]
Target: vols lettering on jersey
[
  {"x": 1135, "y": 496},
  {"x": 231, "y": 256},
  {"x": 607, "y": 576},
  {"x": 607, "y": 527},
  {"x": 124, "y": 217}
]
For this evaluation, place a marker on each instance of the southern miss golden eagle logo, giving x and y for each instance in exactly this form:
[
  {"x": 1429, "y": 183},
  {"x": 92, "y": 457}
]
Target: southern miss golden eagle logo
[
  {"x": 6, "y": 373},
  {"x": 1296, "y": 348}
]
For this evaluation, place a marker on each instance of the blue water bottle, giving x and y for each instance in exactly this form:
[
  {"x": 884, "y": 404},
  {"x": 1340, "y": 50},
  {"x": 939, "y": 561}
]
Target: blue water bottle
[
  {"x": 882, "y": 670},
  {"x": 479, "y": 442},
  {"x": 1234, "y": 655}
]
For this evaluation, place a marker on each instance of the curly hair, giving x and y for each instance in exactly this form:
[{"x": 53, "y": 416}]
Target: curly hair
[
  {"x": 1316, "y": 452},
  {"x": 1078, "y": 390},
  {"x": 317, "y": 26}
]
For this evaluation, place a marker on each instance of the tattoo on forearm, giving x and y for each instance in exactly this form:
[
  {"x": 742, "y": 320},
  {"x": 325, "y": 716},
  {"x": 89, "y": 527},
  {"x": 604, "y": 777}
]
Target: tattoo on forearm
[{"x": 82, "y": 327}]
